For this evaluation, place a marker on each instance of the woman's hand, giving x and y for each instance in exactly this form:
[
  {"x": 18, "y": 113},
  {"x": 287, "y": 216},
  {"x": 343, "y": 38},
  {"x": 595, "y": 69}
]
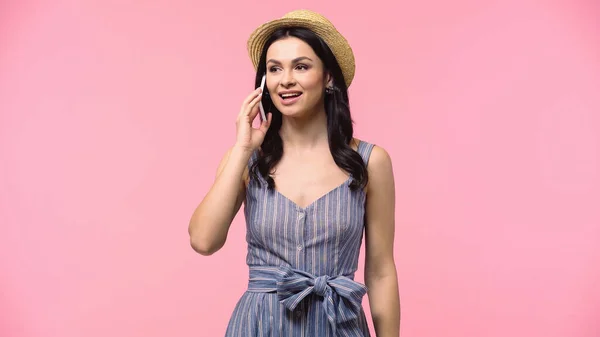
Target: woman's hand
[{"x": 248, "y": 137}]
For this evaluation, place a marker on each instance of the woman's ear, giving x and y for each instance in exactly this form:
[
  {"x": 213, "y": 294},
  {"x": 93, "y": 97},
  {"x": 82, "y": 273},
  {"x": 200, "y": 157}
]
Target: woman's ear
[{"x": 328, "y": 80}]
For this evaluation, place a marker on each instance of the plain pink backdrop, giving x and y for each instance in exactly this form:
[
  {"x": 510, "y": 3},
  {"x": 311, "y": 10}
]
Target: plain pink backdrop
[{"x": 114, "y": 115}]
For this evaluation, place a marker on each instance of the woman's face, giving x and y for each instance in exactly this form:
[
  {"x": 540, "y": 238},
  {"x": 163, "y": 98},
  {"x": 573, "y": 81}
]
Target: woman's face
[{"x": 295, "y": 77}]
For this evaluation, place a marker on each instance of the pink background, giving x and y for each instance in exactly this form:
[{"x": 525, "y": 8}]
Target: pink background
[{"x": 114, "y": 115}]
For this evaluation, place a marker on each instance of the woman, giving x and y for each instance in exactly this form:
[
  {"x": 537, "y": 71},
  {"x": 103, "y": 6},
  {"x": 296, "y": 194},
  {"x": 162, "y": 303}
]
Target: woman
[{"x": 309, "y": 190}]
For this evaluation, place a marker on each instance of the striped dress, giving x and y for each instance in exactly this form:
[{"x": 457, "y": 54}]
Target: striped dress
[{"x": 302, "y": 263}]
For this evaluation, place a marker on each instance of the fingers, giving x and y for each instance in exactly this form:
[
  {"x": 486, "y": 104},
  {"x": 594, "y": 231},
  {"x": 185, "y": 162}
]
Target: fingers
[
  {"x": 264, "y": 126},
  {"x": 252, "y": 96},
  {"x": 254, "y": 108},
  {"x": 250, "y": 102}
]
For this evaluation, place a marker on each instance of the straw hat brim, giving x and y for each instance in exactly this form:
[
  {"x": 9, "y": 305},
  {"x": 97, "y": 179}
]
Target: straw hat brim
[{"x": 334, "y": 40}]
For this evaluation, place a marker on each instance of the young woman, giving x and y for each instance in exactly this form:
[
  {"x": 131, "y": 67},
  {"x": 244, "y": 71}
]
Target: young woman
[{"x": 309, "y": 190}]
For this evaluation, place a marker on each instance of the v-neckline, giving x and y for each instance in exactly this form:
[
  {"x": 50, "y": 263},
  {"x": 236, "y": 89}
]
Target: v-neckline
[
  {"x": 312, "y": 203},
  {"x": 308, "y": 206}
]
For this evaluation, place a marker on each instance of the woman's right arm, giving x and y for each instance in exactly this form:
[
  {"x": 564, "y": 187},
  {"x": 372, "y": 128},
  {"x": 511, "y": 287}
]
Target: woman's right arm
[{"x": 211, "y": 220}]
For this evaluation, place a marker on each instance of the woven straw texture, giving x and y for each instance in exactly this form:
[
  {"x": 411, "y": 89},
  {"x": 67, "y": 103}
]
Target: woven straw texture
[{"x": 316, "y": 23}]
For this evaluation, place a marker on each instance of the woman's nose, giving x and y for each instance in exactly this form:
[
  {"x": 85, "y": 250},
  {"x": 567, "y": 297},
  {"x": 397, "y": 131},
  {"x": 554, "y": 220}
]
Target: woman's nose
[{"x": 288, "y": 79}]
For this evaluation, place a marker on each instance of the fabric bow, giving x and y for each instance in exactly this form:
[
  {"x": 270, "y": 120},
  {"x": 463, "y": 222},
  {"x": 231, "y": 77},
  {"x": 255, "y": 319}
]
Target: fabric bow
[{"x": 342, "y": 296}]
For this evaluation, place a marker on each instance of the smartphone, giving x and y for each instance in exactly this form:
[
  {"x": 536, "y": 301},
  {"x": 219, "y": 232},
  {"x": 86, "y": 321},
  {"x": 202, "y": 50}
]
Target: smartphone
[{"x": 260, "y": 105}]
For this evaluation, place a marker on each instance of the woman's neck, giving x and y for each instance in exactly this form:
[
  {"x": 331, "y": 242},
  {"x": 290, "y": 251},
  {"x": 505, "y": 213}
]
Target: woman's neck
[{"x": 300, "y": 134}]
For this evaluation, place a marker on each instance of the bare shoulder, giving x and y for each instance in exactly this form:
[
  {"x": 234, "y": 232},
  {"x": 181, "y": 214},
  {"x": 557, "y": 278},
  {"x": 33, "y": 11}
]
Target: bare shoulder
[
  {"x": 380, "y": 159},
  {"x": 380, "y": 169}
]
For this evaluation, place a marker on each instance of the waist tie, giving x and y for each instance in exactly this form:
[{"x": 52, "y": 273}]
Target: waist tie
[{"x": 341, "y": 296}]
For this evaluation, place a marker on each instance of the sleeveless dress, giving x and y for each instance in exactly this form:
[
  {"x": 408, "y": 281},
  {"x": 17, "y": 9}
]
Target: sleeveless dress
[{"x": 301, "y": 263}]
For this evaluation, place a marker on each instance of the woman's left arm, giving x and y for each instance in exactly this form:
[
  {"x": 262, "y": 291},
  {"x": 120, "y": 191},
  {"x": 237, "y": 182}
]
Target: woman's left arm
[{"x": 380, "y": 269}]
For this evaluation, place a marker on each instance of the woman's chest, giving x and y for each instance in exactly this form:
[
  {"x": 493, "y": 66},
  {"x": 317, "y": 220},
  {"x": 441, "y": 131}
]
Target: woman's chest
[{"x": 304, "y": 183}]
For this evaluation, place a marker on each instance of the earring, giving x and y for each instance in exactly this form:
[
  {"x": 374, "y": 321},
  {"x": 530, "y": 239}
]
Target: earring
[{"x": 329, "y": 90}]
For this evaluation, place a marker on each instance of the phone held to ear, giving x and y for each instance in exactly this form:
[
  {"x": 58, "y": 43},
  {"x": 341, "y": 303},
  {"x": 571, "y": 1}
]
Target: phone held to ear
[{"x": 260, "y": 105}]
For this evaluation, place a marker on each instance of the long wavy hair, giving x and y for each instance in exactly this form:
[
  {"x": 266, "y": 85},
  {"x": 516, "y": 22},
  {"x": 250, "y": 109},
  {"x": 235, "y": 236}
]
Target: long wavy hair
[{"x": 337, "y": 108}]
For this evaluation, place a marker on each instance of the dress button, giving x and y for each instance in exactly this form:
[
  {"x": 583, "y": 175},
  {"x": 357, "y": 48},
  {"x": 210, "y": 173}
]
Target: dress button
[
  {"x": 298, "y": 313},
  {"x": 300, "y": 247},
  {"x": 301, "y": 215}
]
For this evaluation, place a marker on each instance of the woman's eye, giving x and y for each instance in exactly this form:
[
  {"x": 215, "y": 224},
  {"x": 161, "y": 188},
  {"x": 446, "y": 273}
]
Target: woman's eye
[{"x": 298, "y": 67}]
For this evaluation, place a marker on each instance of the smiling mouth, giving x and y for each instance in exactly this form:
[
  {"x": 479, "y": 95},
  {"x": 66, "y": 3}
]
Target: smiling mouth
[
  {"x": 290, "y": 95},
  {"x": 290, "y": 98}
]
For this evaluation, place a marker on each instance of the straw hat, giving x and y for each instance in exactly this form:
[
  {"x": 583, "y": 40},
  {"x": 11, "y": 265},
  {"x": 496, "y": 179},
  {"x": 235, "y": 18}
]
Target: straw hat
[{"x": 316, "y": 23}]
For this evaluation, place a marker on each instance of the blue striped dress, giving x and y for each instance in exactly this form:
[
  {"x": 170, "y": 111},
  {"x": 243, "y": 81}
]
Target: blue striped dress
[{"x": 301, "y": 263}]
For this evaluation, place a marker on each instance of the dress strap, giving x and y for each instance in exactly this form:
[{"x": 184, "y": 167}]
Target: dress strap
[{"x": 365, "y": 149}]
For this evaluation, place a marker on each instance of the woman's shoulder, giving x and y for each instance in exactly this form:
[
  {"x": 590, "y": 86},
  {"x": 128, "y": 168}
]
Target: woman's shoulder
[
  {"x": 377, "y": 155},
  {"x": 378, "y": 161}
]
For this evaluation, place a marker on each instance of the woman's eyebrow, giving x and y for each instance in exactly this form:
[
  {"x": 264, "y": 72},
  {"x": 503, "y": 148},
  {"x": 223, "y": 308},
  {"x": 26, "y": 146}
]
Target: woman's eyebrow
[{"x": 296, "y": 60}]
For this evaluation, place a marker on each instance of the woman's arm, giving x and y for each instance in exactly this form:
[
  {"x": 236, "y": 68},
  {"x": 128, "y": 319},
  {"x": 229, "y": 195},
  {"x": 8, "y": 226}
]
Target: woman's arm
[
  {"x": 211, "y": 220},
  {"x": 380, "y": 268}
]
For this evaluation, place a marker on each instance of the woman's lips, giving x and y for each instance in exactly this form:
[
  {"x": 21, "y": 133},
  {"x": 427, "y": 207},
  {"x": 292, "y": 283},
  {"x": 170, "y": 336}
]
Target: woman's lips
[{"x": 290, "y": 100}]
